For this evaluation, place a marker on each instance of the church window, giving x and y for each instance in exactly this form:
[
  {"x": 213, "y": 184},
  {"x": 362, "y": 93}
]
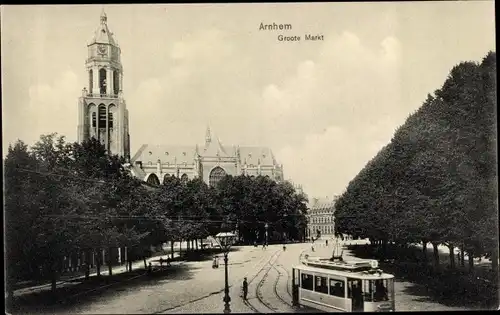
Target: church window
[
  {"x": 185, "y": 164},
  {"x": 91, "y": 81},
  {"x": 166, "y": 153},
  {"x": 150, "y": 153},
  {"x": 153, "y": 180},
  {"x": 184, "y": 178},
  {"x": 184, "y": 153},
  {"x": 102, "y": 116},
  {"x": 216, "y": 175},
  {"x": 94, "y": 119},
  {"x": 110, "y": 120},
  {"x": 102, "y": 81},
  {"x": 167, "y": 164},
  {"x": 150, "y": 163}
]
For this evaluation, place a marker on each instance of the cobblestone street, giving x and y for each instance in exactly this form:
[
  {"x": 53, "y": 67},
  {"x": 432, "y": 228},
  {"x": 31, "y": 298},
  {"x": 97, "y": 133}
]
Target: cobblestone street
[{"x": 195, "y": 287}]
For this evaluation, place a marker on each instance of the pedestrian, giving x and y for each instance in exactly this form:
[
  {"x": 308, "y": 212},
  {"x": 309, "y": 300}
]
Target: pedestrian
[
  {"x": 245, "y": 288},
  {"x": 326, "y": 242},
  {"x": 161, "y": 262},
  {"x": 312, "y": 248},
  {"x": 284, "y": 247},
  {"x": 168, "y": 261}
]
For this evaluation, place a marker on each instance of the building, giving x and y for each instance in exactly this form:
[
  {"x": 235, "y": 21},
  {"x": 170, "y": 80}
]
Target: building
[
  {"x": 211, "y": 162},
  {"x": 102, "y": 112},
  {"x": 103, "y": 115},
  {"x": 320, "y": 217}
]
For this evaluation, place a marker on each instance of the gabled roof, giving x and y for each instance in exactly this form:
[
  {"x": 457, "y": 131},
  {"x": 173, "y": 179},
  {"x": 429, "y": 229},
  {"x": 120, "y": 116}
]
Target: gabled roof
[{"x": 215, "y": 148}]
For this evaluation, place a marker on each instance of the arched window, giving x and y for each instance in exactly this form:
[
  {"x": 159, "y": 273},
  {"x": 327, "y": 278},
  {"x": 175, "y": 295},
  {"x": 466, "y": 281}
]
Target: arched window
[
  {"x": 111, "y": 110},
  {"x": 116, "y": 82},
  {"x": 91, "y": 81},
  {"x": 216, "y": 175},
  {"x": 102, "y": 81},
  {"x": 102, "y": 116},
  {"x": 165, "y": 178},
  {"x": 153, "y": 180},
  {"x": 94, "y": 119},
  {"x": 184, "y": 178}
]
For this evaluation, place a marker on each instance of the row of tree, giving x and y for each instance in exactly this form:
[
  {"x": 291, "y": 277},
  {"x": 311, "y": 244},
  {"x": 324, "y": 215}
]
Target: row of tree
[
  {"x": 436, "y": 181},
  {"x": 74, "y": 200}
]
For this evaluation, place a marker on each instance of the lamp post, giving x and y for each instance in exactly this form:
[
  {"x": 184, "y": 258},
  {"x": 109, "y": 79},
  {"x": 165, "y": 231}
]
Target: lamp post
[{"x": 225, "y": 242}]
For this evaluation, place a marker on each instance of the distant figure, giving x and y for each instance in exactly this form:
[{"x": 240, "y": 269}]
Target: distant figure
[
  {"x": 255, "y": 244},
  {"x": 326, "y": 242},
  {"x": 215, "y": 263},
  {"x": 312, "y": 248},
  {"x": 284, "y": 247},
  {"x": 245, "y": 288},
  {"x": 168, "y": 261},
  {"x": 150, "y": 268},
  {"x": 161, "y": 262}
]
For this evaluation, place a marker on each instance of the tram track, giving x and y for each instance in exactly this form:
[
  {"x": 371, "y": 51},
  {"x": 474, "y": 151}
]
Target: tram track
[
  {"x": 259, "y": 284},
  {"x": 279, "y": 297}
]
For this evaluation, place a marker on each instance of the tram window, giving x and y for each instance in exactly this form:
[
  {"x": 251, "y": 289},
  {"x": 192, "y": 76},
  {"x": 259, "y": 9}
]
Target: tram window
[
  {"x": 337, "y": 288},
  {"x": 320, "y": 285},
  {"x": 368, "y": 290},
  {"x": 307, "y": 281},
  {"x": 353, "y": 286},
  {"x": 380, "y": 291}
]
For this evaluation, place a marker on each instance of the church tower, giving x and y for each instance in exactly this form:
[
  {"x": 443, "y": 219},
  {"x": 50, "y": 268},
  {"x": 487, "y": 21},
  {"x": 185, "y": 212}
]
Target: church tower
[{"x": 102, "y": 112}]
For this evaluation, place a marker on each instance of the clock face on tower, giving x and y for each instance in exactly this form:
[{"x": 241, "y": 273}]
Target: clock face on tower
[{"x": 102, "y": 50}]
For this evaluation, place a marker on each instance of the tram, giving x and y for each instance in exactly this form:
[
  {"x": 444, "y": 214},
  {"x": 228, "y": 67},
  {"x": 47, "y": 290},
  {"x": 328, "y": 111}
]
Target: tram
[{"x": 342, "y": 286}]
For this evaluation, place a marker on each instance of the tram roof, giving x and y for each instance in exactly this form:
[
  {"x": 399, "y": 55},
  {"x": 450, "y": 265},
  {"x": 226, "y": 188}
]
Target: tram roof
[{"x": 357, "y": 274}]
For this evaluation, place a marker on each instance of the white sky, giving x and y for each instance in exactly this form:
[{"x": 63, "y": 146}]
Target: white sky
[{"x": 325, "y": 108}]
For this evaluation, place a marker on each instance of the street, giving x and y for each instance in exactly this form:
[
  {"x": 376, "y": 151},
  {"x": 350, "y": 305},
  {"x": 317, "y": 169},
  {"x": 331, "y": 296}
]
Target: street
[{"x": 195, "y": 287}]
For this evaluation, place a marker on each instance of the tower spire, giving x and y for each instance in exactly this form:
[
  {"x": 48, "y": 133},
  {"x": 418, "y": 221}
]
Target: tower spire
[
  {"x": 208, "y": 136},
  {"x": 104, "y": 18}
]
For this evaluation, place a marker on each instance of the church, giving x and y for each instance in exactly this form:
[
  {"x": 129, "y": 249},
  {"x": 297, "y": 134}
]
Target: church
[{"x": 103, "y": 115}]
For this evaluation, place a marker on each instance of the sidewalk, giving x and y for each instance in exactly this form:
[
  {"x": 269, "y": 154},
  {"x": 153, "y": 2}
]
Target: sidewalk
[{"x": 138, "y": 264}]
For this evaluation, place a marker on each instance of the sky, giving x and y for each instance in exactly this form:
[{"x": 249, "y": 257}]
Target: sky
[{"x": 325, "y": 108}]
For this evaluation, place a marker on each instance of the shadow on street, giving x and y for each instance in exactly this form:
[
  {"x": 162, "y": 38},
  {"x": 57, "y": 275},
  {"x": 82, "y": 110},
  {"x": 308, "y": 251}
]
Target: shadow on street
[
  {"x": 83, "y": 291},
  {"x": 451, "y": 287}
]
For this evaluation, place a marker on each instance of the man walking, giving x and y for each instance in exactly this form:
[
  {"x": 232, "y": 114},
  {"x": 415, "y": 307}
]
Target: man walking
[{"x": 245, "y": 288}]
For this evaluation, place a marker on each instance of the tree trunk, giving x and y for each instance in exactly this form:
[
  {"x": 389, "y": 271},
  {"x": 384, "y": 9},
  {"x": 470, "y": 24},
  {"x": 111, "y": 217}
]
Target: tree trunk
[
  {"x": 145, "y": 264},
  {"x": 87, "y": 264},
  {"x": 436, "y": 254},
  {"x": 180, "y": 247},
  {"x": 130, "y": 265},
  {"x": 110, "y": 262},
  {"x": 172, "y": 249},
  {"x": 196, "y": 242},
  {"x": 494, "y": 261},
  {"x": 452, "y": 256},
  {"x": 424, "y": 251},
  {"x": 462, "y": 256},
  {"x": 98, "y": 261},
  {"x": 53, "y": 275},
  {"x": 384, "y": 249},
  {"x": 471, "y": 261}
]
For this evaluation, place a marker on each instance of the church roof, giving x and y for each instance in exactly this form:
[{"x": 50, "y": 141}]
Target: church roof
[
  {"x": 102, "y": 34},
  {"x": 165, "y": 153},
  {"x": 255, "y": 155}
]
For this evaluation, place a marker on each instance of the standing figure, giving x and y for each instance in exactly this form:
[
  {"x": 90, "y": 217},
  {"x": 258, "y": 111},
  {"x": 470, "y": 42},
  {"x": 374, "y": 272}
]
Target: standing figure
[{"x": 245, "y": 288}]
